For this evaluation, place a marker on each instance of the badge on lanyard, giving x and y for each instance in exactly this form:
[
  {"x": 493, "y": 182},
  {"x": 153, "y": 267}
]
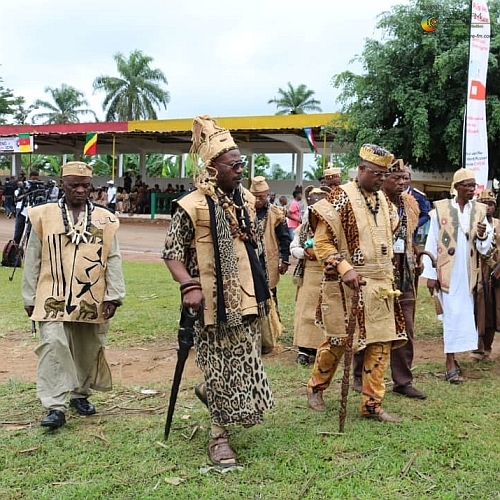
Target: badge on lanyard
[{"x": 399, "y": 246}]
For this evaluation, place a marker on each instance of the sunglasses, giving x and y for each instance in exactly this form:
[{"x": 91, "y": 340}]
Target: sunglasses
[
  {"x": 235, "y": 166},
  {"x": 378, "y": 173}
]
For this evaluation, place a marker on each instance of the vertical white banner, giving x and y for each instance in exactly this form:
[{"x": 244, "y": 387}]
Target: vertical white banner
[{"x": 476, "y": 137}]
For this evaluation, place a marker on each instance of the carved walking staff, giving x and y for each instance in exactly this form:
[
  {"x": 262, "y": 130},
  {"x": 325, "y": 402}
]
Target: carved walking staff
[
  {"x": 351, "y": 327},
  {"x": 185, "y": 338}
]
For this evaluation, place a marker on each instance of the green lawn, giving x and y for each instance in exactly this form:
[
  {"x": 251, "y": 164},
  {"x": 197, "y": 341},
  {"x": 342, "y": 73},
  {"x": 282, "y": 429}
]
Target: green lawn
[{"x": 448, "y": 446}]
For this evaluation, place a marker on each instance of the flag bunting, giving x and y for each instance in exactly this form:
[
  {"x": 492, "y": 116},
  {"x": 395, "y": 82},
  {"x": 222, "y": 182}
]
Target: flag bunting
[
  {"x": 90, "y": 147},
  {"x": 311, "y": 141}
]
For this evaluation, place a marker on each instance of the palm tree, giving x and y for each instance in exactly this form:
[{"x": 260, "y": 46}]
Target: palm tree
[
  {"x": 295, "y": 101},
  {"x": 66, "y": 108},
  {"x": 136, "y": 92}
]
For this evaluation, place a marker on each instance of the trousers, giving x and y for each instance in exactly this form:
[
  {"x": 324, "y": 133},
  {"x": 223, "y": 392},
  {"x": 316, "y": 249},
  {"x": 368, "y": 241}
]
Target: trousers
[
  {"x": 375, "y": 361},
  {"x": 401, "y": 358}
]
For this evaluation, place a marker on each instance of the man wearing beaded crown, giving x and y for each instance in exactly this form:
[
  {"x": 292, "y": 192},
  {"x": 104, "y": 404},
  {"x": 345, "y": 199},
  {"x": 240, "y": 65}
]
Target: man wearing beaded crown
[
  {"x": 211, "y": 249},
  {"x": 458, "y": 233},
  {"x": 72, "y": 284},
  {"x": 404, "y": 265},
  {"x": 354, "y": 240}
]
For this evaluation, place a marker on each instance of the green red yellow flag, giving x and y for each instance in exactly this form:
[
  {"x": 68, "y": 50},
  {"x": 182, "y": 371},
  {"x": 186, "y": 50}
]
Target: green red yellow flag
[
  {"x": 24, "y": 143},
  {"x": 90, "y": 147}
]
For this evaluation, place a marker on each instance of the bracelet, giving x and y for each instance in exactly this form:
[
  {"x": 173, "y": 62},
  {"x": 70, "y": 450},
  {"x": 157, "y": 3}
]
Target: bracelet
[
  {"x": 190, "y": 289},
  {"x": 285, "y": 262},
  {"x": 187, "y": 283},
  {"x": 482, "y": 238}
]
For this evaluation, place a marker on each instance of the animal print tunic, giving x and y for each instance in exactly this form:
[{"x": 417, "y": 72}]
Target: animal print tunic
[{"x": 238, "y": 390}]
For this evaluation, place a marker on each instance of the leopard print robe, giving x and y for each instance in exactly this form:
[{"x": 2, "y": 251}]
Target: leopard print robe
[{"x": 238, "y": 390}]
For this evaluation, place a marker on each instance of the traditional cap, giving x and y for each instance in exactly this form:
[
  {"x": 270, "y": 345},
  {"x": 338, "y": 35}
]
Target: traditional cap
[
  {"x": 376, "y": 155},
  {"x": 487, "y": 195},
  {"x": 332, "y": 171},
  {"x": 259, "y": 185},
  {"x": 111, "y": 181},
  {"x": 397, "y": 166},
  {"x": 76, "y": 168},
  {"x": 209, "y": 140},
  {"x": 463, "y": 174}
]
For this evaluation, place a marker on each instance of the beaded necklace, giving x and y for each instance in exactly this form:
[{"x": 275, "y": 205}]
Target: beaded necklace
[
  {"x": 372, "y": 208},
  {"x": 75, "y": 234},
  {"x": 384, "y": 249},
  {"x": 237, "y": 225}
]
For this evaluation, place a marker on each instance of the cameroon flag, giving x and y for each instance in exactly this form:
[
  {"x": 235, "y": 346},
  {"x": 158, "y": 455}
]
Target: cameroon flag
[
  {"x": 90, "y": 147},
  {"x": 24, "y": 141}
]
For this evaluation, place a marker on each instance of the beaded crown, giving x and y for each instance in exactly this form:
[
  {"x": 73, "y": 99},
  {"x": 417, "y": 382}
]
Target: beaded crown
[
  {"x": 209, "y": 140},
  {"x": 376, "y": 155}
]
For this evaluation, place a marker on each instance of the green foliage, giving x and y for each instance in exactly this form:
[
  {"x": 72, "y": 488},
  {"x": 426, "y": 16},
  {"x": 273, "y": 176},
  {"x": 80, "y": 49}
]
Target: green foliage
[
  {"x": 67, "y": 106},
  {"x": 295, "y": 101},
  {"x": 277, "y": 173},
  {"x": 412, "y": 94},
  {"x": 136, "y": 92},
  {"x": 8, "y": 103}
]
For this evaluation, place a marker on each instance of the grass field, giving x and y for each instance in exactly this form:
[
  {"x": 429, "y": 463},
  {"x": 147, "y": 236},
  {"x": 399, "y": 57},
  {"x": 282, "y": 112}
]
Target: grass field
[{"x": 448, "y": 446}]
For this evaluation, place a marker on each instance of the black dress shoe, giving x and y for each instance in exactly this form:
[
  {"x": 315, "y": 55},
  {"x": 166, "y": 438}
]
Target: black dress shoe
[
  {"x": 409, "y": 391},
  {"x": 82, "y": 406},
  {"x": 54, "y": 419}
]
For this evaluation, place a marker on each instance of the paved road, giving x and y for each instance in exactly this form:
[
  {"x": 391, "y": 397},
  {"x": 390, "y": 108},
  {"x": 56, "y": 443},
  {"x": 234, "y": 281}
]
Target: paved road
[{"x": 140, "y": 240}]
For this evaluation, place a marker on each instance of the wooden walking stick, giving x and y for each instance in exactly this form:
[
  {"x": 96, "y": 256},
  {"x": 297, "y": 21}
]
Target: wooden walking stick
[{"x": 351, "y": 327}]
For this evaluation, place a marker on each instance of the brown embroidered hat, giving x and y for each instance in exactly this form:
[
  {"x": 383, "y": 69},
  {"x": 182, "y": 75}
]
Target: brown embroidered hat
[
  {"x": 487, "y": 195},
  {"x": 78, "y": 168},
  {"x": 259, "y": 185},
  {"x": 331, "y": 171},
  {"x": 397, "y": 166}
]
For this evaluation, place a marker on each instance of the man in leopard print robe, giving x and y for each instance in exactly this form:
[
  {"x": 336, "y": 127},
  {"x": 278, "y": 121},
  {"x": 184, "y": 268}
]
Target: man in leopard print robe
[{"x": 211, "y": 250}]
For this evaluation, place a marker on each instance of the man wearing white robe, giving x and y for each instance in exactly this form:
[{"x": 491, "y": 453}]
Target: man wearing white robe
[{"x": 458, "y": 231}]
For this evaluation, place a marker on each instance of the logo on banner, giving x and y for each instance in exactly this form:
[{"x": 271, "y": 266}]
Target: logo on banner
[{"x": 429, "y": 23}]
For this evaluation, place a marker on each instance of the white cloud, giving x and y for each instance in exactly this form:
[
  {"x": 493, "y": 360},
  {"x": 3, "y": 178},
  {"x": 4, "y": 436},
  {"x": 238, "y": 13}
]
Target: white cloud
[{"x": 223, "y": 58}]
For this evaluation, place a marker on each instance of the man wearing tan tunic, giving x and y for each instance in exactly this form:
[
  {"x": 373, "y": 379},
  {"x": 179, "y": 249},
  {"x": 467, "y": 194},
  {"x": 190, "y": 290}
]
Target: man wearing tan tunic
[
  {"x": 404, "y": 264},
  {"x": 307, "y": 276},
  {"x": 72, "y": 284},
  {"x": 275, "y": 254},
  {"x": 487, "y": 299},
  {"x": 211, "y": 249},
  {"x": 354, "y": 240}
]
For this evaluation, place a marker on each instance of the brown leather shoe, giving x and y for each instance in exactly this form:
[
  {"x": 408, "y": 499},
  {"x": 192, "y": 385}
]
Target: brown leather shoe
[
  {"x": 409, "y": 391},
  {"x": 315, "y": 400},
  {"x": 383, "y": 416}
]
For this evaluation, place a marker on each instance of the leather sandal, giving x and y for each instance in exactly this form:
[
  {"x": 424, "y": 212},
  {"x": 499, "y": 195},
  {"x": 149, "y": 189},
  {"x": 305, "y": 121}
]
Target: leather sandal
[
  {"x": 453, "y": 377},
  {"x": 220, "y": 453}
]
